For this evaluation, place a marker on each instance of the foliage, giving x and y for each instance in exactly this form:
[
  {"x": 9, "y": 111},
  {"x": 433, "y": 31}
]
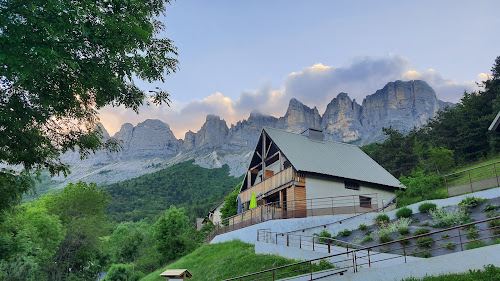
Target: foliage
[
  {"x": 344, "y": 233},
  {"x": 404, "y": 213},
  {"x": 475, "y": 244},
  {"x": 129, "y": 242},
  {"x": 490, "y": 207},
  {"x": 173, "y": 234},
  {"x": 324, "y": 234},
  {"x": 425, "y": 242},
  {"x": 471, "y": 202},
  {"x": 61, "y": 61},
  {"x": 385, "y": 238},
  {"x": 403, "y": 230},
  {"x": 119, "y": 272},
  {"x": 404, "y": 242},
  {"x": 186, "y": 185},
  {"x": 449, "y": 245},
  {"x": 210, "y": 262},
  {"x": 490, "y": 272},
  {"x": 382, "y": 219},
  {"x": 426, "y": 207},
  {"x": 449, "y": 218},
  {"x": 230, "y": 207},
  {"x": 367, "y": 238},
  {"x": 81, "y": 209},
  {"x": 420, "y": 186},
  {"x": 445, "y": 236},
  {"x": 421, "y": 231},
  {"x": 473, "y": 232},
  {"x": 362, "y": 227}
]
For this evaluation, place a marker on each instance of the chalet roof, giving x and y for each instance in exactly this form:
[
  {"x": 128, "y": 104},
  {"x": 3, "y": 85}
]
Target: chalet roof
[
  {"x": 330, "y": 158},
  {"x": 494, "y": 126}
]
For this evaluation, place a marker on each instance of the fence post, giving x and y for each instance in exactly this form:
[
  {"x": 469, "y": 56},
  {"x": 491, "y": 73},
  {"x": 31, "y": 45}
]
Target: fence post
[
  {"x": 446, "y": 184},
  {"x": 470, "y": 181},
  {"x": 288, "y": 240},
  {"x": 311, "y": 268},
  {"x": 276, "y": 238},
  {"x": 313, "y": 243},
  {"x": 496, "y": 175},
  {"x": 460, "y": 237},
  {"x": 369, "y": 263},
  {"x": 404, "y": 251},
  {"x": 328, "y": 245},
  {"x": 300, "y": 242}
]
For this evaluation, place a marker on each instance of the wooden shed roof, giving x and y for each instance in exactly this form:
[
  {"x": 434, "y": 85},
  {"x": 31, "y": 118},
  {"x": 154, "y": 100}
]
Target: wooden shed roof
[{"x": 172, "y": 273}]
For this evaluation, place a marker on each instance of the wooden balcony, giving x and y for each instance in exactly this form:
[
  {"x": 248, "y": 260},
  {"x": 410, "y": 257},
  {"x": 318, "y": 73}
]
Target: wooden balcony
[{"x": 274, "y": 181}]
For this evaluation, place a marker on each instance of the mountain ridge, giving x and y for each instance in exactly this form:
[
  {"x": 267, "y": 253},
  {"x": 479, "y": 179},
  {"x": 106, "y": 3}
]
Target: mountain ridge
[{"x": 151, "y": 144}]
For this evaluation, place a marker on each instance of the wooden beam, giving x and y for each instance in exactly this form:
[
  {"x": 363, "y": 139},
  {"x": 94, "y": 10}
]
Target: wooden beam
[
  {"x": 269, "y": 148},
  {"x": 263, "y": 153},
  {"x": 249, "y": 180},
  {"x": 281, "y": 161},
  {"x": 256, "y": 166},
  {"x": 258, "y": 154},
  {"x": 272, "y": 156}
]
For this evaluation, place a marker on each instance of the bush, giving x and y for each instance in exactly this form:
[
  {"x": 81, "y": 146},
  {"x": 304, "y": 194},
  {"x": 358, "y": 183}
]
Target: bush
[
  {"x": 490, "y": 207},
  {"x": 471, "y": 202},
  {"x": 404, "y": 242},
  {"x": 421, "y": 231},
  {"x": 324, "y": 234},
  {"x": 404, "y": 230},
  {"x": 475, "y": 244},
  {"x": 367, "y": 238},
  {"x": 415, "y": 220},
  {"x": 404, "y": 213},
  {"x": 449, "y": 218},
  {"x": 449, "y": 245},
  {"x": 426, "y": 207},
  {"x": 363, "y": 227},
  {"x": 382, "y": 219},
  {"x": 495, "y": 226},
  {"x": 344, "y": 233},
  {"x": 384, "y": 238},
  {"x": 445, "y": 236},
  {"x": 424, "y": 254},
  {"x": 119, "y": 272},
  {"x": 425, "y": 242}
]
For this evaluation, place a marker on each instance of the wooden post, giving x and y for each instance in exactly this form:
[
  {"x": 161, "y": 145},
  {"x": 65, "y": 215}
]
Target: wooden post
[
  {"x": 263, "y": 156},
  {"x": 249, "y": 179},
  {"x": 496, "y": 175},
  {"x": 281, "y": 161},
  {"x": 470, "y": 181}
]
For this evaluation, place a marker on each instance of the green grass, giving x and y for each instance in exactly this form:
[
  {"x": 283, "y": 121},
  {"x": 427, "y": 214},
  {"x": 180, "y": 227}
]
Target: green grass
[
  {"x": 222, "y": 261},
  {"x": 488, "y": 274}
]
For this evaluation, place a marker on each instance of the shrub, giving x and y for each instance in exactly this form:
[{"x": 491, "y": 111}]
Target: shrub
[
  {"x": 475, "y": 244},
  {"x": 423, "y": 254},
  {"x": 404, "y": 230},
  {"x": 426, "y": 207},
  {"x": 404, "y": 242},
  {"x": 363, "y": 227},
  {"x": 367, "y": 238},
  {"x": 384, "y": 238},
  {"x": 404, "y": 213},
  {"x": 421, "y": 231},
  {"x": 324, "y": 234},
  {"x": 471, "y": 202},
  {"x": 490, "y": 207},
  {"x": 382, "y": 219},
  {"x": 415, "y": 219},
  {"x": 445, "y": 236},
  {"x": 495, "y": 226},
  {"x": 449, "y": 245},
  {"x": 425, "y": 223},
  {"x": 344, "y": 233},
  {"x": 425, "y": 242},
  {"x": 473, "y": 233},
  {"x": 404, "y": 222},
  {"x": 449, "y": 218}
]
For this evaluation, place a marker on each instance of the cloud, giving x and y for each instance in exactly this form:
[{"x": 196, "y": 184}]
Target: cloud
[
  {"x": 314, "y": 86},
  {"x": 446, "y": 89}
]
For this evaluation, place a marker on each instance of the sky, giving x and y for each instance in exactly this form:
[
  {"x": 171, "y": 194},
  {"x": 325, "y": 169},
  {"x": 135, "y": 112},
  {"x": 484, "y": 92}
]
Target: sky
[{"x": 236, "y": 57}]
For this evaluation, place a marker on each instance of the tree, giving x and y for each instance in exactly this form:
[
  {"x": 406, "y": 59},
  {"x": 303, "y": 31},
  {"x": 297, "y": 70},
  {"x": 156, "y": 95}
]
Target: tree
[
  {"x": 61, "y": 61},
  {"x": 119, "y": 272},
  {"x": 81, "y": 208},
  {"x": 173, "y": 234},
  {"x": 230, "y": 207}
]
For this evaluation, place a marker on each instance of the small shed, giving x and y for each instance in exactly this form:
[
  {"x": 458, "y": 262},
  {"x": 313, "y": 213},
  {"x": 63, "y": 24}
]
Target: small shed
[{"x": 176, "y": 274}]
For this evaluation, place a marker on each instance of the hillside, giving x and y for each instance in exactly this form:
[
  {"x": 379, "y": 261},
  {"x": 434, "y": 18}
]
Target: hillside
[
  {"x": 222, "y": 261},
  {"x": 185, "y": 185}
]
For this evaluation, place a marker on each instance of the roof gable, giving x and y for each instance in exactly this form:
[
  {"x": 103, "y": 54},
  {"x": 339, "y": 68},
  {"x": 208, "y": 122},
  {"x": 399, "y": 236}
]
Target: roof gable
[{"x": 330, "y": 158}]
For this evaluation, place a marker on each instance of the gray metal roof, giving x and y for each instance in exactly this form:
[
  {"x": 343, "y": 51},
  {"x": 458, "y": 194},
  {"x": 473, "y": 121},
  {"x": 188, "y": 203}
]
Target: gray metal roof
[{"x": 330, "y": 158}]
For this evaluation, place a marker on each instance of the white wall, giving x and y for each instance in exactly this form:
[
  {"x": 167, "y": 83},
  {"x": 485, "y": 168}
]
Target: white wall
[{"x": 319, "y": 187}]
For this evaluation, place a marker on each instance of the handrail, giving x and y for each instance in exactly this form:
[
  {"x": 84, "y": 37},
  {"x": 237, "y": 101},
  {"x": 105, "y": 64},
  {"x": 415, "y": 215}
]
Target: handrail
[
  {"x": 482, "y": 166},
  {"x": 342, "y": 220},
  {"x": 358, "y": 253}
]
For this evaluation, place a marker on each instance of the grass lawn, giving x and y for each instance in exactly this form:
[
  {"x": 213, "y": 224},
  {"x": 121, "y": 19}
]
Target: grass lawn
[
  {"x": 222, "y": 261},
  {"x": 489, "y": 273}
]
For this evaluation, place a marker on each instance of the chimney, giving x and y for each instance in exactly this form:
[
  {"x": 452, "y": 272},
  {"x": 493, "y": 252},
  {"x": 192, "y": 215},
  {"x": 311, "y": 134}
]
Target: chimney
[{"x": 313, "y": 134}]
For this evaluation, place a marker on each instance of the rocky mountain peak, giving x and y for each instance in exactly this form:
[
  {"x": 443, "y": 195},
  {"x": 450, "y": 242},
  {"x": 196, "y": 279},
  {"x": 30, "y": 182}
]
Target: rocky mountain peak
[
  {"x": 299, "y": 117},
  {"x": 212, "y": 133}
]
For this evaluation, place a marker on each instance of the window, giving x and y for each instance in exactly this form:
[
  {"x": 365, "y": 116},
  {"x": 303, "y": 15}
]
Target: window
[
  {"x": 351, "y": 185},
  {"x": 365, "y": 202}
]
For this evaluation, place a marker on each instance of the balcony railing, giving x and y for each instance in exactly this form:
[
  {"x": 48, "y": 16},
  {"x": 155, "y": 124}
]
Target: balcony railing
[
  {"x": 276, "y": 180},
  {"x": 328, "y": 206},
  {"x": 472, "y": 180}
]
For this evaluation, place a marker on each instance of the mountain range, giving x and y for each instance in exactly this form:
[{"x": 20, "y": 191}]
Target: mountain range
[{"x": 151, "y": 145}]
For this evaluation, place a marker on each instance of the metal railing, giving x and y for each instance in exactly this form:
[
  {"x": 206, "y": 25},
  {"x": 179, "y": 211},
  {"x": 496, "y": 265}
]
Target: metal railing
[
  {"x": 328, "y": 206},
  {"x": 454, "y": 239},
  {"x": 471, "y": 180}
]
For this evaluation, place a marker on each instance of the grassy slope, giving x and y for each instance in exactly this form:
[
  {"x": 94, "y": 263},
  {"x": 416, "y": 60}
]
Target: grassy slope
[{"x": 222, "y": 261}]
